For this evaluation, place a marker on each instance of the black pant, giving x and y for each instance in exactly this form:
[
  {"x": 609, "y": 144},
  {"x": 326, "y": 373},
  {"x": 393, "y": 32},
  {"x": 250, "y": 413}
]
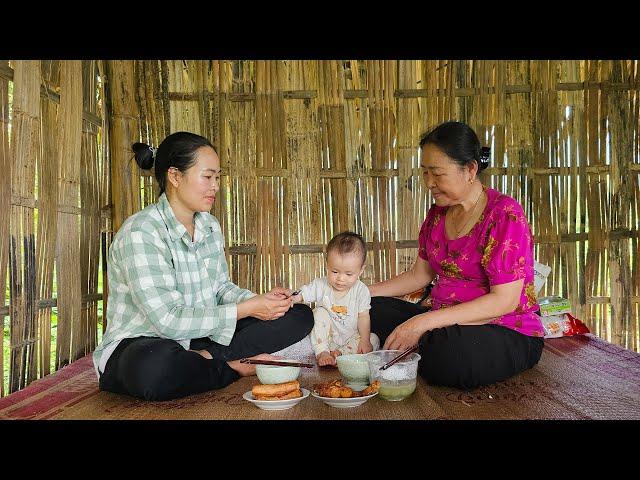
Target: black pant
[
  {"x": 160, "y": 369},
  {"x": 461, "y": 356}
]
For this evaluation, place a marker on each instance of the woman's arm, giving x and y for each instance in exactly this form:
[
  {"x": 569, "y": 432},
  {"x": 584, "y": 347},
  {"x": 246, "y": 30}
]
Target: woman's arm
[
  {"x": 500, "y": 300},
  {"x": 418, "y": 277}
]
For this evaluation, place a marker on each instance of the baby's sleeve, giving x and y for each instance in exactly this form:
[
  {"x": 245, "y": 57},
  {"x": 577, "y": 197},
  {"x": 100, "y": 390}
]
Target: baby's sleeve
[
  {"x": 311, "y": 291},
  {"x": 364, "y": 298}
]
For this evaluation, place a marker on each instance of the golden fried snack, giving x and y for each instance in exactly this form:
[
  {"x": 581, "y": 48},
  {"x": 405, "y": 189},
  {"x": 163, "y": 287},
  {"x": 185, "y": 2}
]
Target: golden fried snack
[
  {"x": 373, "y": 388},
  {"x": 286, "y": 396},
  {"x": 335, "y": 389},
  {"x": 275, "y": 390}
]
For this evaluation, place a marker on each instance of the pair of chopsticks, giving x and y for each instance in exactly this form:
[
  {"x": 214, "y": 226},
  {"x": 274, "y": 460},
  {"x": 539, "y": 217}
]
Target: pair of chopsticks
[
  {"x": 399, "y": 357},
  {"x": 275, "y": 362}
]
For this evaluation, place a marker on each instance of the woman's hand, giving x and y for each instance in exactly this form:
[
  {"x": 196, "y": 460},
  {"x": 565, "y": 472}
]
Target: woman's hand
[
  {"x": 406, "y": 335},
  {"x": 268, "y": 306},
  {"x": 280, "y": 292}
]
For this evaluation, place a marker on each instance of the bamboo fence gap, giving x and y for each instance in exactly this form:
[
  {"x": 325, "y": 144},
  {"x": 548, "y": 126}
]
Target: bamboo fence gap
[{"x": 309, "y": 148}]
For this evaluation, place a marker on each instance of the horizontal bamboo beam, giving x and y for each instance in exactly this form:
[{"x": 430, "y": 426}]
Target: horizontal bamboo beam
[
  {"x": 53, "y": 302},
  {"x": 105, "y": 212},
  {"x": 508, "y": 89},
  {"x": 250, "y": 249},
  {"x": 45, "y": 91}
]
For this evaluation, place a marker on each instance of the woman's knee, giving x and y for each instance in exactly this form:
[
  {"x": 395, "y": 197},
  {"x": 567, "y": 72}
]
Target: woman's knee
[
  {"x": 304, "y": 316},
  {"x": 298, "y": 321},
  {"x": 148, "y": 373}
]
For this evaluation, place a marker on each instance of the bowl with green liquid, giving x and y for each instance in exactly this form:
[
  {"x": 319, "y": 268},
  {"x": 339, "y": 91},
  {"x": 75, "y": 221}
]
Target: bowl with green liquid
[{"x": 398, "y": 381}]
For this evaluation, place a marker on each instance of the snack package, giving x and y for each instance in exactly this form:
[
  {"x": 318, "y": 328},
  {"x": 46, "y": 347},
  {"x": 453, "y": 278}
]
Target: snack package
[
  {"x": 562, "y": 326},
  {"x": 554, "y": 305},
  {"x": 540, "y": 274}
]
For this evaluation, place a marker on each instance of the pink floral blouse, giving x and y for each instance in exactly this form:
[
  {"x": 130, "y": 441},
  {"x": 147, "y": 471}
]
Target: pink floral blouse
[{"x": 498, "y": 249}]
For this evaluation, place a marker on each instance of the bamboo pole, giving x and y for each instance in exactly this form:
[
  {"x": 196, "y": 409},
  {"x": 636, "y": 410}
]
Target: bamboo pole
[
  {"x": 123, "y": 132},
  {"x": 89, "y": 194},
  {"x": 69, "y": 346},
  {"x": 5, "y": 199},
  {"x": 621, "y": 135},
  {"x": 47, "y": 215},
  {"x": 25, "y": 142}
]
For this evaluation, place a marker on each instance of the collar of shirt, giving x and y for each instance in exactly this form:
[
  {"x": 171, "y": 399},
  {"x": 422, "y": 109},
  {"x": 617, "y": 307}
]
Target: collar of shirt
[{"x": 203, "y": 223}]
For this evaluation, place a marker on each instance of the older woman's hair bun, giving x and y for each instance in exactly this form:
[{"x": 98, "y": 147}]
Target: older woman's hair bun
[
  {"x": 485, "y": 155},
  {"x": 144, "y": 155}
]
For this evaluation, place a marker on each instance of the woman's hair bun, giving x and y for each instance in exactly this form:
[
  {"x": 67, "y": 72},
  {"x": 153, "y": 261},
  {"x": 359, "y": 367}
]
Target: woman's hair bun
[{"x": 144, "y": 155}]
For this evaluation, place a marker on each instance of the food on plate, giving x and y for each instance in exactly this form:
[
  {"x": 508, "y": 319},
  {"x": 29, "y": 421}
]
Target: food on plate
[
  {"x": 277, "y": 391},
  {"x": 336, "y": 389}
]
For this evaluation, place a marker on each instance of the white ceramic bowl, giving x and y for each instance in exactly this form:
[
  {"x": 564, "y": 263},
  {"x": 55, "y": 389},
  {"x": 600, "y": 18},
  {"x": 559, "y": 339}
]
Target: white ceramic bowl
[
  {"x": 270, "y": 374},
  {"x": 355, "y": 370}
]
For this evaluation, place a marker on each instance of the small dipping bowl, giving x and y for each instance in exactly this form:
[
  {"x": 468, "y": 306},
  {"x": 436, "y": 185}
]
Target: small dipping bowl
[
  {"x": 271, "y": 374},
  {"x": 354, "y": 369}
]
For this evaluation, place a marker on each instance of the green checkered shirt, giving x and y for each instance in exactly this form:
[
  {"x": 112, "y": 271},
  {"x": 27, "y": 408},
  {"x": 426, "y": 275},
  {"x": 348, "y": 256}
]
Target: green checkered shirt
[{"x": 163, "y": 284}]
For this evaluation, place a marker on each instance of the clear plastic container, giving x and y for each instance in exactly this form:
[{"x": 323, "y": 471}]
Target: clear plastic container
[{"x": 399, "y": 380}]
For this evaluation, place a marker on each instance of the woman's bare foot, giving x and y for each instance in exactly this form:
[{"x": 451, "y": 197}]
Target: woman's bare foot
[
  {"x": 204, "y": 353},
  {"x": 247, "y": 369},
  {"x": 325, "y": 358}
]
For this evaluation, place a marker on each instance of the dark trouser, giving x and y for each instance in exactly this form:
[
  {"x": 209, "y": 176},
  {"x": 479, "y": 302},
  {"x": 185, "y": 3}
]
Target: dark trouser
[
  {"x": 160, "y": 369},
  {"x": 459, "y": 356}
]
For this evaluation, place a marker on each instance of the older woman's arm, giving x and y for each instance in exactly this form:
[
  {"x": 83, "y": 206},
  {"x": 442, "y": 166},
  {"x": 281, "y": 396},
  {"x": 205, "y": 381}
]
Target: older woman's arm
[
  {"x": 418, "y": 277},
  {"x": 500, "y": 300}
]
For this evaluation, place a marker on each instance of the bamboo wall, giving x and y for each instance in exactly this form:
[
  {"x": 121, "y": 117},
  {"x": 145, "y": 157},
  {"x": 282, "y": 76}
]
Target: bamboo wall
[
  {"x": 54, "y": 195},
  {"x": 311, "y": 148}
]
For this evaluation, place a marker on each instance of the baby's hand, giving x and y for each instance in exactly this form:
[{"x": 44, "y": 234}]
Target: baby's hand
[
  {"x": 364, "y": 346},
  {"x": 296, "y": 298}
]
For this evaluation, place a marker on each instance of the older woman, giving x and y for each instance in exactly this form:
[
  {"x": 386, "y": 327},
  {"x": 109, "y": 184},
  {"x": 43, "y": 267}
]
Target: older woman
[
  {"x": 476, "y": 244},
  {"x": 176, "y": 323}
]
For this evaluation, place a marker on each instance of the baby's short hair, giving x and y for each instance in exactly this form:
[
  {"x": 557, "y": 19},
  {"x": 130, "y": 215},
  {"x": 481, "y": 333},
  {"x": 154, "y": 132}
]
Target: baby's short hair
[{"x": 348, "y": 242}]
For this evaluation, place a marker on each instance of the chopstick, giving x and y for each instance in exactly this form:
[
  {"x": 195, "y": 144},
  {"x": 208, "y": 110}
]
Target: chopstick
[
  {"x": 274, "y": 362},
  {"x": 399, "y": 357}
]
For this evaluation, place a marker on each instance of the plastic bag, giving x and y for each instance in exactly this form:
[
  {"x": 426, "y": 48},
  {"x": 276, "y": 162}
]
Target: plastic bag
[{"x": 562, "y": 326}]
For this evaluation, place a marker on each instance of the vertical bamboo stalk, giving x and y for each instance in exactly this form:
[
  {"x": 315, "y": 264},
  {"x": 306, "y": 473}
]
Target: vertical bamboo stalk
[
  {"x": 621, "y": 141},
  {"x": 70, "y": 343},
  {"x": 25, "y": 143},
  {"x": 89, "y": 195},
  {"x": 47, "y": 222},
  {"x": 5, "y": 202},
  {"x": 123, "y": 131}
]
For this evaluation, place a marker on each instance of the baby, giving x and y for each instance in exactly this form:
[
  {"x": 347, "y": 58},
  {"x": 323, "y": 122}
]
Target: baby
[{"x": 342, "y": 323}]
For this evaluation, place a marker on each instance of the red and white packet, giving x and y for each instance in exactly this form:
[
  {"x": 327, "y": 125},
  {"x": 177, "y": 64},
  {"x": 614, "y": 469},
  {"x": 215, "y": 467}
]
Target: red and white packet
[{"x": 562, "y": 326}]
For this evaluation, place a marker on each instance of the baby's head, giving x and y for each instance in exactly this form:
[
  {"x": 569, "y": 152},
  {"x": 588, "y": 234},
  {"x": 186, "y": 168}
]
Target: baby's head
[{"x": 346, "y": 253}]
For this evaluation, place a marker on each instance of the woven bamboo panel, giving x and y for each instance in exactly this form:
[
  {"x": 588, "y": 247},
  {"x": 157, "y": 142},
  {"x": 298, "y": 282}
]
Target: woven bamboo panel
[
  {"x": 55, "y": 173},
  {"x": 310, "y": 148}
]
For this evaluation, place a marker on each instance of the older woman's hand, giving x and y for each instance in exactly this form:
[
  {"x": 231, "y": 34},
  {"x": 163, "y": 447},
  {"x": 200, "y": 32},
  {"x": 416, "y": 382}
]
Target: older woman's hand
[{"x": 406, "y": 334}]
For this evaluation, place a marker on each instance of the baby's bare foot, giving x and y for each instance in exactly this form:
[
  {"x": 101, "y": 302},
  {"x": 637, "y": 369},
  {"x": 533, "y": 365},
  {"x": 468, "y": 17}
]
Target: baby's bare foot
[{"x": 325, "y": 358}]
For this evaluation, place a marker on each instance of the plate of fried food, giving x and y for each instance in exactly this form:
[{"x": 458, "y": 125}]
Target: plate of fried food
[
  {"x": 278, "y": 396},
  {"x": 336, "y": 394}
]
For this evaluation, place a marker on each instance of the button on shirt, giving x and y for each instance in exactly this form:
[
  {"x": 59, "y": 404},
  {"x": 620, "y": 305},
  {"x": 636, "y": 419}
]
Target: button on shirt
[{"x": 162, "y": 284}]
